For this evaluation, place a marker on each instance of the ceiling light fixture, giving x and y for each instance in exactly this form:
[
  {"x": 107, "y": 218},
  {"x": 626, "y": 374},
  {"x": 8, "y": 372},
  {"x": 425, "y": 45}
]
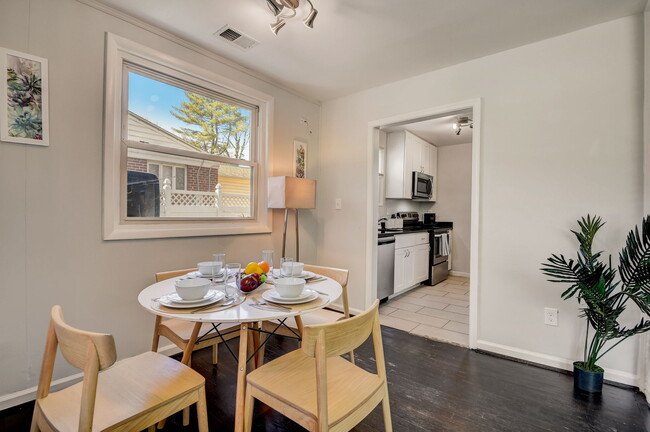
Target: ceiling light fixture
[
  {"x": 462, "y": 122},
  {"x": 278, "y": 8}
]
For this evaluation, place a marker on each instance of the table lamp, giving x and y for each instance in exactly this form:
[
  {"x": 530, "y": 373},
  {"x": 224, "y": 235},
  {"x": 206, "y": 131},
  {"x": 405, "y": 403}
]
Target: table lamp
[{"x": 291, "y": 193}]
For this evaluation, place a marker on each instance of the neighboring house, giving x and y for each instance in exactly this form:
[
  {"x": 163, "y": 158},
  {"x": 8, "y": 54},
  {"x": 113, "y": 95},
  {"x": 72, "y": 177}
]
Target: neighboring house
[{"x": 188, "y": 187}]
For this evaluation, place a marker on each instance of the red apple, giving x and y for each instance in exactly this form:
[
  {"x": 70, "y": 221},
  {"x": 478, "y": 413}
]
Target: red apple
[{"x": 250, "y": 282}]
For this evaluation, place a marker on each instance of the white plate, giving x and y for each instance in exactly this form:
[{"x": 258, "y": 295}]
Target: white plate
[
  {"x": 273, "y": 296},
  {"x": 304, "y": 275},
  {"x": 165, "y": 301},
  {"x": 211, "y": 293},
  {"x": 205, "y": 275}
]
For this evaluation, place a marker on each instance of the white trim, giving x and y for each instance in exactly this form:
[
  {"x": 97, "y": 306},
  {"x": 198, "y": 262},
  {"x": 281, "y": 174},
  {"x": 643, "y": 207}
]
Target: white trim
[
  {"x": 459, "y": 273},
  {"x": 20, "y": 397},
  {"x": 553, "y": 361},
  {"x": 95, "y": 4},
  {"x": 115, "y": 228},
  {"x": 372, "y": 211}
]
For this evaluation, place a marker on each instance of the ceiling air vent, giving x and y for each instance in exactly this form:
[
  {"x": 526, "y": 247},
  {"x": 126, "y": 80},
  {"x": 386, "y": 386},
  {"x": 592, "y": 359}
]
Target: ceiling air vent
[{"x": 235, "y": 37}]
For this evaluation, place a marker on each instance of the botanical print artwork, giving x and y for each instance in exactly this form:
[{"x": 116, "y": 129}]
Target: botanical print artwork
[
  {"x": 24, "y": 116},
  {"x": 300, "y": 159}
]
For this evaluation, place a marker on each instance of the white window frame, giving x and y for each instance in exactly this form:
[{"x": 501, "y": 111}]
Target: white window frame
[
  {"x": 174, "y": 174},
  {"x": 116, "y": 225}
]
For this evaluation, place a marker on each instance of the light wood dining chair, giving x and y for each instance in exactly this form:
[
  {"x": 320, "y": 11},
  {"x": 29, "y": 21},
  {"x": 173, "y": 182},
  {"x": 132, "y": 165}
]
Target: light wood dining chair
[
  {"x": 134, "y": 394},
  {"x": 318, "y": 389},
  {"x": 179, "y": 331},
  {"x": 321, "y": 316}
]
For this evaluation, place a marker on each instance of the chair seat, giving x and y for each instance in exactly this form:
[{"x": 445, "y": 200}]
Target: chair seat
[
  {"x": 130, "y": 387},
  {"x": 183, "y": 329},
  {"x": 291, "y": 379}
]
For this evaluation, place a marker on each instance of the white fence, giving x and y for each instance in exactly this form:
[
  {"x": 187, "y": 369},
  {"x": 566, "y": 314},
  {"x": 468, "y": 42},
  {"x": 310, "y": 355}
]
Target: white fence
[{"x": 202, "y": 204}]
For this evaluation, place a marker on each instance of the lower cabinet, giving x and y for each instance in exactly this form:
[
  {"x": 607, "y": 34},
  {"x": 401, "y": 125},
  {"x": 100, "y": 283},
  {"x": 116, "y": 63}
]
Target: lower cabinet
[{"x": 411, "y": 266}]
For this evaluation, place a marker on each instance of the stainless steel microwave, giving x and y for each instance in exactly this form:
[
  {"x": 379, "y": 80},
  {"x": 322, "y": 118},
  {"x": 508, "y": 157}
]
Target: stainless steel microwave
[{"x": 422, "y": 186}]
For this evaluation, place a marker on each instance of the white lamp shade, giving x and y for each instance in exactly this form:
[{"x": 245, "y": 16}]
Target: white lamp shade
[{"x": 291, "y": 193}]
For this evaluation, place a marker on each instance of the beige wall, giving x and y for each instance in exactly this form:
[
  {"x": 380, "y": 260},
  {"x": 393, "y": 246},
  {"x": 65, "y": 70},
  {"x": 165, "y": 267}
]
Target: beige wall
[
  {"x": 51, "y": 248},
  {"x": 454, "y": 199},
  {"x": 560, "y": 137}
]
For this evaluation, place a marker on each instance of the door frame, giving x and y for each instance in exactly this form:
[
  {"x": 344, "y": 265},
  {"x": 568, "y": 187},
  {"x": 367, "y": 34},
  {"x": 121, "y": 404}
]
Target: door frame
[{"x": 372, "y": 191}]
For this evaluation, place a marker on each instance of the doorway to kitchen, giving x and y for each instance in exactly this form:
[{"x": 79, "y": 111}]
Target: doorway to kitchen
[{"x": 442, "y": 146}]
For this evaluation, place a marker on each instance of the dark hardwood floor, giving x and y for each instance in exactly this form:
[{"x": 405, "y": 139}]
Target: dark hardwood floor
[{"x": 433, "y": 387}]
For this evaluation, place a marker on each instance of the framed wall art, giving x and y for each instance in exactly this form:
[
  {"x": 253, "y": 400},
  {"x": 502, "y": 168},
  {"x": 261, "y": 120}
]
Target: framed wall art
[
  {"x": 24, "y": 113},
  {"x": 299, "y": 159}
]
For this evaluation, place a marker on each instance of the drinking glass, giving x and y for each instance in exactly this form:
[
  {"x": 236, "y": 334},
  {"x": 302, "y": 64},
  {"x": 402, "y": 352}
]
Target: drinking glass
[
  {"x": 233, "y": 279},
  {"x": 286, "y": 266},
  {"x": 267, "y": 255},
  {"x": 220, "y": 259}
]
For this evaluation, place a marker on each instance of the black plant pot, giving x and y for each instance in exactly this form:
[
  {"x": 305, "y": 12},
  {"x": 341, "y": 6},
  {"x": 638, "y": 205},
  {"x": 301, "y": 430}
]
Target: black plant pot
[{"x": 591, "y": 382}]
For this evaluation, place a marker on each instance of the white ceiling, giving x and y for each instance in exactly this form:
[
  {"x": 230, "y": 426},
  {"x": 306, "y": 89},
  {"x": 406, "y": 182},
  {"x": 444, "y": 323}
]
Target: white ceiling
[
  {"x": 358, "y": 44},
  {"x": 437, "y": 130}
]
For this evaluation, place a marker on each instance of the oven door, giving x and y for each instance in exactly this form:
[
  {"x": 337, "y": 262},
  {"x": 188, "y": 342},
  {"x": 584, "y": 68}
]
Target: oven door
[
  {"x": 422, "y": 185},
  {"x": 440, "y": 252}
]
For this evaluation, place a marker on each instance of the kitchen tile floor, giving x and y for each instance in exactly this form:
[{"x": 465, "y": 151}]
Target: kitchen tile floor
[{"x": 439, "y": 312}]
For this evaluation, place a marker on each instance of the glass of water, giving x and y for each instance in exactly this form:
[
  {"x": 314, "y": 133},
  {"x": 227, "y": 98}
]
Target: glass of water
[
  {"x": 286, "y": 266},
  {"x": 219, "y": 260},
  {"x": 233, "y": 279},
  {"x": 267, "y": 255}
]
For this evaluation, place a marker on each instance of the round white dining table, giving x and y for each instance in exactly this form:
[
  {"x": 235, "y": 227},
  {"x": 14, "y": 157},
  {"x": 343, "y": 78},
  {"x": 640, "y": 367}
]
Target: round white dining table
[{"x": 244, "y": 313}]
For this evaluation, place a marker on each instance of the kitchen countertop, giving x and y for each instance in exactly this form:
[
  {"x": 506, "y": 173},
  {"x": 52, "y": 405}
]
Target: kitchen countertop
[{"x": 412, "y": 230}]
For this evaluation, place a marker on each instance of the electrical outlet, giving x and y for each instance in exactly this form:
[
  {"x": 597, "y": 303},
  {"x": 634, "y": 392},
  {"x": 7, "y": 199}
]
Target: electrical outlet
[
  {"x": 550, "y": 316},
  {"x": 338, "y": 205}
]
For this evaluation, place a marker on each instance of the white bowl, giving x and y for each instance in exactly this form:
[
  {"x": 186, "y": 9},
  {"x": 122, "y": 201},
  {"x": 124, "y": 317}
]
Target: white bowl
[
  {"x": 192, "y": 289},
  {"x": 292, "y": 268},
  {"x": 207, "y": 267},
  {"x": 289, "y": 287}
]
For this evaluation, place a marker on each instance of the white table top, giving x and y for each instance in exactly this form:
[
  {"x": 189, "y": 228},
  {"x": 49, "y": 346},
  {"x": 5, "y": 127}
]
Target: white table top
[{"x": 241, "y": 313}]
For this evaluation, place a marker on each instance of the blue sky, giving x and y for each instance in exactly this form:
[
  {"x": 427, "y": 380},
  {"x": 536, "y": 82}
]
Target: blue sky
[{"x": 154, "y": 100}]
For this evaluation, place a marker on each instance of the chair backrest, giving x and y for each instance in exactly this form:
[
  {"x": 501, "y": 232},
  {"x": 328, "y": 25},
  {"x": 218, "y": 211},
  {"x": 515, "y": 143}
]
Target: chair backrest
[
  {"x": 342, "y": 336},
  {"x": 74, "y": 343},
  {"x": 172, "y": 274},
  {"x": 89, "y": 351},
  {"x": 340, "y": 276}
]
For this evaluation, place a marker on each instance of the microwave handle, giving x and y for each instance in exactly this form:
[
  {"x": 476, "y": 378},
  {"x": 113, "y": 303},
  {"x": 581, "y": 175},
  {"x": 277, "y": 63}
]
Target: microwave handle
[{"x": 430, "y": 187}]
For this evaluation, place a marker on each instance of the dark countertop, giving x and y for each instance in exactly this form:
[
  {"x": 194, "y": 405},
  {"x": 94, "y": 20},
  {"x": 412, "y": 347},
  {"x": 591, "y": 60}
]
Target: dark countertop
[{"x": 412, "y": 230}]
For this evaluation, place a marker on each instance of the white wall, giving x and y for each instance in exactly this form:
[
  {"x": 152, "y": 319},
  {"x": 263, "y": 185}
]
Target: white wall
[
  {"x": 454, "y": 199},
  {"x": 560, "y": 138},
  {"x": 51, "y": 248}
]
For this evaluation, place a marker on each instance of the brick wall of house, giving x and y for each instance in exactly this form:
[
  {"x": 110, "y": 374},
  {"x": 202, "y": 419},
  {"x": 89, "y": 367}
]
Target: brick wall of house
[
  {"x": 202, "y": 179},
  {"x": 135, "y": 164}
]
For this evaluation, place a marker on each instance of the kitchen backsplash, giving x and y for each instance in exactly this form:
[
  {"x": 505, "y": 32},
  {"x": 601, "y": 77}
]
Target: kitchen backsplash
[{"x": 394, "y": 206}]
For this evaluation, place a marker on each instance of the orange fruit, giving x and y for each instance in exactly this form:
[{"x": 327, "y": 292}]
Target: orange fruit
[{"x": 264, "y": 266}]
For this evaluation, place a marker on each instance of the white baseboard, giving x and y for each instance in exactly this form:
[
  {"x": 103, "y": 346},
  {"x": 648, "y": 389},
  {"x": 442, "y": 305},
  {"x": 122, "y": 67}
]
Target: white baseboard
[
  {"x": 553, "y": 361},
  {"x": 20, "y": 397},
  {"x": 459, "y": 273}
]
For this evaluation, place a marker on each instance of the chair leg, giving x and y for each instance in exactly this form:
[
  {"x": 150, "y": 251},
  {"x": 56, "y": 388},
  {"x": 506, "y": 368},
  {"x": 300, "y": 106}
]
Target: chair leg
[
  {"x": 215, "y": 353},
  {"x": 186, "y": 416},
  {"x": 151, "y": 428},
  {"x": 34, "y": 427},
  {"x": 202, "y": 411},
  {"x": 156, "y": 334},
  {"x": 352, "y": 357},
  {"x": 249, "y": 403},
  {"x": 385, "y": 406}
]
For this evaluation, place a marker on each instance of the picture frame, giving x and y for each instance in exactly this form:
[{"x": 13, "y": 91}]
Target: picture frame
[
  {"x": 24, "y": 107},
  {"x": 299, "y": 158}
]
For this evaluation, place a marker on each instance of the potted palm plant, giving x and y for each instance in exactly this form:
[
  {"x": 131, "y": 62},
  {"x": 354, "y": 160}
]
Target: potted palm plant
[{"x": 594, "y": 283}]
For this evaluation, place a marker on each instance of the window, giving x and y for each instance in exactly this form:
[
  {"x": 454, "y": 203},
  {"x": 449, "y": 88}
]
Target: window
[{"x": 185, "y": 150}]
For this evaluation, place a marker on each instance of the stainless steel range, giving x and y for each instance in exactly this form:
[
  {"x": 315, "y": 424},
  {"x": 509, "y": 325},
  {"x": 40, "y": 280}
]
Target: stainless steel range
[{"x": 440, "y": 251}]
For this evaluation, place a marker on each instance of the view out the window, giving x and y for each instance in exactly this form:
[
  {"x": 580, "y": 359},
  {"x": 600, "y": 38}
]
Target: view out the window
[{"x": 189, "y": 151}]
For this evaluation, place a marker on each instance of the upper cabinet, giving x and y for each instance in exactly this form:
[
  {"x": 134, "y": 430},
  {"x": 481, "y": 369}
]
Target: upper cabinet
[{"x": 406, "y": 153}]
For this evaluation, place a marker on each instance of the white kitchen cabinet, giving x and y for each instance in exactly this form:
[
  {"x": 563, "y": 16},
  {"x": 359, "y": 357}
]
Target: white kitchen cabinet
[
  {"x": 411, "y": 260},
  {"x": 406, "y": 153}
]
